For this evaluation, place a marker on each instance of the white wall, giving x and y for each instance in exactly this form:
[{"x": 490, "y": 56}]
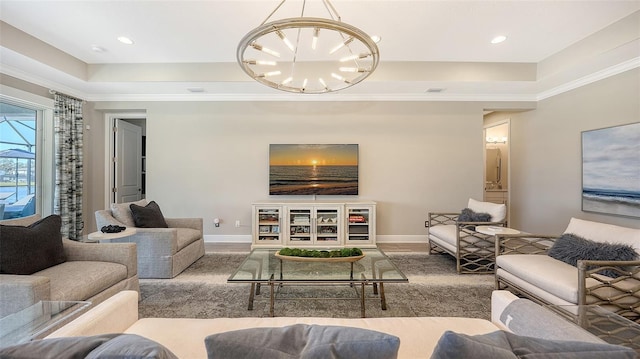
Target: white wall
[
  {"x": 546, "y": 159},
  {"x": 210, "y": 159}
]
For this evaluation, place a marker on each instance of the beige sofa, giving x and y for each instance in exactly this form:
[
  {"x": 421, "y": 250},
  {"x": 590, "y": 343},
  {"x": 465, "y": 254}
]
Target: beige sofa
[
  {"x": 91, "y": 272},
  {"x": 523, "y": 266},
  {"x": 162, "y": 252},
  {"x": 418, "y": 335}
]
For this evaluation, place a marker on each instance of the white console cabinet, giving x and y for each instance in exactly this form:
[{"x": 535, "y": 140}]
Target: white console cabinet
[{"x": 320, "y": 224}]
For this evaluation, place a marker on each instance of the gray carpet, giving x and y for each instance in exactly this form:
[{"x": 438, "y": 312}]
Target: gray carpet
[{"x": 434, "y": 289}]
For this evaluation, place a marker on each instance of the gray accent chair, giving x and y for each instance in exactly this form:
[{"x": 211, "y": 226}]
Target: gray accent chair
[
  {"x": 162, "y": 252},
  {"x": 91, "y": 273}
]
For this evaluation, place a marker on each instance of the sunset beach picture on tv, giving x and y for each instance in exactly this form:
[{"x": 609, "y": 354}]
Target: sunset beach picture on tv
[{"x": 297, "y": 169}]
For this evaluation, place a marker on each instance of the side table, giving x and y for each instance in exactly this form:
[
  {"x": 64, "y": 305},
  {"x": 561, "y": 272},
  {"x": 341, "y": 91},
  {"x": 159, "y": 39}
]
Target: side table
[
  {"x": 493, "y": 230},
  {"x": 99, "y": 236}
]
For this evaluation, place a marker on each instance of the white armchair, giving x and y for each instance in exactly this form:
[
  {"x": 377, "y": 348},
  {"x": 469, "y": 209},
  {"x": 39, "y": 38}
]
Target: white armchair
[{"x": 474, "y": 251}]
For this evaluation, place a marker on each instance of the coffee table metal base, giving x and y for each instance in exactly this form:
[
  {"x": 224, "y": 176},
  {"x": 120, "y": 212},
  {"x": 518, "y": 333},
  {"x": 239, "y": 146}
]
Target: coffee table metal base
[{"x": 262, "y": 267}]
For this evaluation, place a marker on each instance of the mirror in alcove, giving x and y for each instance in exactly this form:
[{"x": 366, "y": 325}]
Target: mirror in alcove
[{"x": 494, "y": 168}]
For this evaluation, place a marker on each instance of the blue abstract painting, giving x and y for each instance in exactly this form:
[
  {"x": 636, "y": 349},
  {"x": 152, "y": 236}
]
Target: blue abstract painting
[{"x": 611, "y": 170}]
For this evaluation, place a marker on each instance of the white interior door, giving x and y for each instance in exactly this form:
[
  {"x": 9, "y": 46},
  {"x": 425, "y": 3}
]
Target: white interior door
[{"x": 128, "y": 162}]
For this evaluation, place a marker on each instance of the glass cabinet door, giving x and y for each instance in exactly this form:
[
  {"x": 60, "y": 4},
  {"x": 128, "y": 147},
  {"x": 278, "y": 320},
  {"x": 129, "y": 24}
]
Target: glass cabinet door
[
  {"x": 327, "y": 230},
  {"x": 269, "y": 225},
  {"x": 300, "y": 226},
  {"x": 359, "y": 230}
]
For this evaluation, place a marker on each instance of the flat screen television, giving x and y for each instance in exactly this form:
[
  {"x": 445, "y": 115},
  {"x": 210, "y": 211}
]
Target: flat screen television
[{"x": 298, "y": 169}]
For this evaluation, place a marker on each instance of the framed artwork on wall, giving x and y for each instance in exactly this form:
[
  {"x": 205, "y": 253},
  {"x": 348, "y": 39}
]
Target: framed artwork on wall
[{"x": 611, "y": 170}]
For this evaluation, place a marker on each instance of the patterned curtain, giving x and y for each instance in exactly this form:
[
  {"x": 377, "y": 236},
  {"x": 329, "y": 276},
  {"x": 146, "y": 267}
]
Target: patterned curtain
[{"x": 68, "y": 147}]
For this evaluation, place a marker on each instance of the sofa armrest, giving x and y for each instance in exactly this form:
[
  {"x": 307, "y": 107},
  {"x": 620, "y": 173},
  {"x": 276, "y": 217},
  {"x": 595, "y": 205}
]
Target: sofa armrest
[
  {"x": 500, "y": 299},
  {"x": 122, "y": 253},
  {"x": 442, "y": 218},
  {"x": 151, "y": 242},
  {"x": 620, "y": 294},
  {"x": 114, "y": 315},
  {"x": 20, "y": 291},
  {"x": 193, "y": 223},
  {"x": 524, "y": 243}
]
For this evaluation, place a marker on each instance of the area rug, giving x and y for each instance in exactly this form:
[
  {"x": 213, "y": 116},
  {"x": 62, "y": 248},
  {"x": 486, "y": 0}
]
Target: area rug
[{"x": 434, "y": 289}]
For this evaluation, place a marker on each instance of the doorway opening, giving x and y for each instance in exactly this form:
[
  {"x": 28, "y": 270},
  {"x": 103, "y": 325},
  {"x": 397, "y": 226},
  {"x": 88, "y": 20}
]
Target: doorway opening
[
  {"x": 126, "y": 152},
  {"x": 496, "y": 164}
]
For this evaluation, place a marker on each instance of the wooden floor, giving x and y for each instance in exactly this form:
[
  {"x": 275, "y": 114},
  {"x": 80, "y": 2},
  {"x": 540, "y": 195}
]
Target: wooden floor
[{"x": 246, "y": 247}]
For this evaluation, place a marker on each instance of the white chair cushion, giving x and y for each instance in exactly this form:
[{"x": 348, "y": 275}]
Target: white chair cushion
[
  {"x": 497, "y": 211},
  {"x": 551, "y": 275},
  {"x": 602, "y": 232},
  {"x": 122, "y": 212}
]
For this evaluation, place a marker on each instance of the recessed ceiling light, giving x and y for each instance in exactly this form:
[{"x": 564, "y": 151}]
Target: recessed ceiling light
[
  {"x": 125, "y": 40},
  {"x": 498, "y": 39},
  {"x": 97, "y": 48}
]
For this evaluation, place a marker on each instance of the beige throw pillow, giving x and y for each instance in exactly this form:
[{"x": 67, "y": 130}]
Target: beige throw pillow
[{"x": 122, "y": 212}]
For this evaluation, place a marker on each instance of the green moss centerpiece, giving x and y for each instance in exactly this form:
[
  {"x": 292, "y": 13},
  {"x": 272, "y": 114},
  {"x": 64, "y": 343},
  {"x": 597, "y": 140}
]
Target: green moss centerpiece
[{"x": 336, "y": 255}]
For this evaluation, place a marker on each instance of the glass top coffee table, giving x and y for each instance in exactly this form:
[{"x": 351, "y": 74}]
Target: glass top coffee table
[
  {"x": 263, "y": 267},
  {"x": 37, "y": 320}
]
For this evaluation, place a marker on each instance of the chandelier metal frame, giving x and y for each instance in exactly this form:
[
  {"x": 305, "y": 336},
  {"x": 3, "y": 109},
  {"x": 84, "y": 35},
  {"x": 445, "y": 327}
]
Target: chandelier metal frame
[{"x": 282, "y": 70}]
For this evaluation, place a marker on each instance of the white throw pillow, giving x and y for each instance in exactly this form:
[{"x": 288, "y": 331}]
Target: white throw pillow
[
  {"x": 122, "y": 212},
  {"x": 497, "y": 211}
]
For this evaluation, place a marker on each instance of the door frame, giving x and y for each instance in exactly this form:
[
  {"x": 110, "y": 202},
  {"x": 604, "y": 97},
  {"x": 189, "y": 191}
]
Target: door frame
[
  {"x": 506, "y": 121},
  {"x": 109, "y": 147}
]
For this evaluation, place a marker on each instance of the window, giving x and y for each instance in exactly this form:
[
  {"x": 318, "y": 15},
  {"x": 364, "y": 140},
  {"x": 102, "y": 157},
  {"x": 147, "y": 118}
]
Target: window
[{"x": 23, "y": 157}]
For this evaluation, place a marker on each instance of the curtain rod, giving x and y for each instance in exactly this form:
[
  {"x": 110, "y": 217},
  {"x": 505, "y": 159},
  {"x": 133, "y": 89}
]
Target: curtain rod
[{"x": 54, "y": 92}]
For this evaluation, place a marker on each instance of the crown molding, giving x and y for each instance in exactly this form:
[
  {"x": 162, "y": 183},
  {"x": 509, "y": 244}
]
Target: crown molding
[
  {"x": 591, "y": 78},
  {"x": 331, "y": 97}
]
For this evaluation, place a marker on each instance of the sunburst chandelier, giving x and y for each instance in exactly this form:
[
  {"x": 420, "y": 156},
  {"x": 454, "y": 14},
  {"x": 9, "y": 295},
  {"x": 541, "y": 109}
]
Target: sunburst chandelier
[{"x": 308, "y": 54}]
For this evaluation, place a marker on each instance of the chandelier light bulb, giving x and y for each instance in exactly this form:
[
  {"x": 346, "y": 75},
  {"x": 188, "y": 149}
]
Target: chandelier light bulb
[
  {"x": 342, "y": 44},
  {"x": 287, "y": 80},
  {"x": 261, "y": 62},
  {"x": 270, "y": 73},
  {"x": 338, "y": 77},
  {"x": 324, "y": 84},
  {"x": 314, "y": 41},
  {"x": 259, "y": 47},
  {"x": 285, "y": 40},
  {"x": 354, "y": 57},
  {"x": 352, "y": 69}
]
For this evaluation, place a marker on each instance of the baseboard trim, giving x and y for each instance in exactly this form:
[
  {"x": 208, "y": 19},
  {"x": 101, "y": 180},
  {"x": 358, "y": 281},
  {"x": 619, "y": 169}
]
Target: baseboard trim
[
  {"x": 216, "y": 238},
  {"x": 246, "y": 238},
  {"x": 396, "y": 238}
]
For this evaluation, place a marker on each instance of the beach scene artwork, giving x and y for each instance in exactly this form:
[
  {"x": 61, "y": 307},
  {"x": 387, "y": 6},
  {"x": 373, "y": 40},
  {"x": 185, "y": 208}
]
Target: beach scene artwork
[
  {"x": 303, "y": 169},
  {"x": 611, "y": 170}
]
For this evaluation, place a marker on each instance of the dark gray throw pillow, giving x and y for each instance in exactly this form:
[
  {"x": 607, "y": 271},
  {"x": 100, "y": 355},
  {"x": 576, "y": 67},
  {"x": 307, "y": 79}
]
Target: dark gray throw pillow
[
  {"x": 131, "y": 346},
  {"x": 505, "y": 345},
  {"x": 26, "y": 250},
  {"x": 302, "y": 341},
  {"x": 106, "y": 346},
  {"x": 58, "y": 348},
  {"x": 148, "y": 216},
  {"x": 468, "y": 215},
  {"x": 570, "y": 248}
]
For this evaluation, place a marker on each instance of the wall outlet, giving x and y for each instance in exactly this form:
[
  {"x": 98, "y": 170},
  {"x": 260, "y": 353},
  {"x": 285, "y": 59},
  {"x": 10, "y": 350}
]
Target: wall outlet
[
  {"x": 426, "y": 224},
  {"x": 237, "y": 223}
]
